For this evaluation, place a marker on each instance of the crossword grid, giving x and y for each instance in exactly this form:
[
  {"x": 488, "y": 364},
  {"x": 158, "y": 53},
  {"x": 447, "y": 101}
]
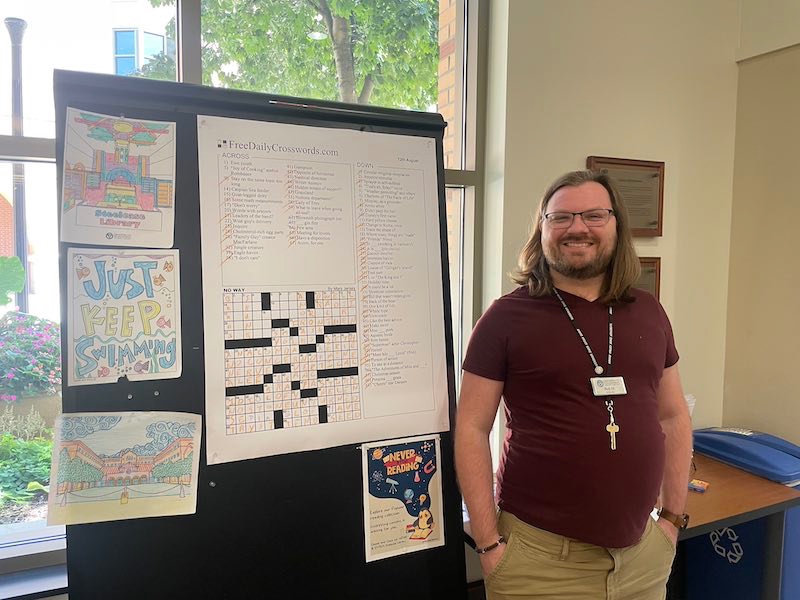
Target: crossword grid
[{"x": 291, "y": 359}]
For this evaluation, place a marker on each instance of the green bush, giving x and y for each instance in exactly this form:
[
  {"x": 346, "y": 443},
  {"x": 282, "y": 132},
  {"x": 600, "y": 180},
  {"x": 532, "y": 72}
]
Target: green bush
[
  {"x": 23, "y": 462},
  {"x": 30, "y": 356}
]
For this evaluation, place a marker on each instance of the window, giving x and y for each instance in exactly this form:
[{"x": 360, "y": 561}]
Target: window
[
  {"x": 153, "y": 45},
  {"x": 285, "y": 48},
  {"x": 158, "y": 56},
  {"x": 411, "y": 58},
  {"x": 29, "y": 398},
  {"x": 36, "y": 184},
  {"x": 428, "y": 64},
  {"x": 28, "y": 194},
  {"x": 86, "y": 41},
  {"x": 125, "y": 52}
]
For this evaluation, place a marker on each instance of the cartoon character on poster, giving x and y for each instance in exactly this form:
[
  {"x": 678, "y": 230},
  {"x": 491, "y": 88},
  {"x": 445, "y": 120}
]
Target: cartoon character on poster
[
  {"x": 403, "y": 472},
  {"x": 124, "y": 316}
]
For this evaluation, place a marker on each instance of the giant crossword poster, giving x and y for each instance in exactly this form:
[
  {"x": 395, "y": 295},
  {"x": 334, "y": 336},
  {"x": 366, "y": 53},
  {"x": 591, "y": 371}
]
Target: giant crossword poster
[{"x": 322, "y": 287}]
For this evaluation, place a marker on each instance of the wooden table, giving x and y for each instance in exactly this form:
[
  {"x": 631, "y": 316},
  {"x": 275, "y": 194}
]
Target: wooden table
[{"x": 733, "y": 497}]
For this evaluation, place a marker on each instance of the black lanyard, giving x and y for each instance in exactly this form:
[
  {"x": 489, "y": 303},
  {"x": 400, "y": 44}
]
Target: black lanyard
[{"x": 597, "y": 368}]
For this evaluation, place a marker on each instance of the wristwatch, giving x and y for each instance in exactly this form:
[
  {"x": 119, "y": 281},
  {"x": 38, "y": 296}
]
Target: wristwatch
[{"x": 680, "y": 521}]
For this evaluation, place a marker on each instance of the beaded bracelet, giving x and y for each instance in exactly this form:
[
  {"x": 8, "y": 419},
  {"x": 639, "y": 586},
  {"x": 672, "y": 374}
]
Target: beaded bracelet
[{"x": 491, "y": 547}]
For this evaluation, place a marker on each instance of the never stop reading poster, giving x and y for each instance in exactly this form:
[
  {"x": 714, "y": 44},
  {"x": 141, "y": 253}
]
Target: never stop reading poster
[{"x": 322, "y": 287}]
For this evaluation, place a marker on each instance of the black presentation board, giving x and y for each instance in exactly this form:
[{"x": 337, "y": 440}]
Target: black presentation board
[{"x": 288, "y": 526}]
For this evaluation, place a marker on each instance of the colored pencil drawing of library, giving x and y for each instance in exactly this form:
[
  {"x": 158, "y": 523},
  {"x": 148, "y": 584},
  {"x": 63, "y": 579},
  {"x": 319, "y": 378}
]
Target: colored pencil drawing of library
[{"x": 123, "y": 465}]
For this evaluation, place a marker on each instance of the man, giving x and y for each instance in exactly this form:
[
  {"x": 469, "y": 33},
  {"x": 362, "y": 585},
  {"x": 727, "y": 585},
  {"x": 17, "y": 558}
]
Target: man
[{"x": 598, "y": 432}]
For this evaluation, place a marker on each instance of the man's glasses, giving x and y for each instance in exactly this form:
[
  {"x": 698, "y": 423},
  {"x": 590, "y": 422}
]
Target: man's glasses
[{"x": 597, "y": 217}]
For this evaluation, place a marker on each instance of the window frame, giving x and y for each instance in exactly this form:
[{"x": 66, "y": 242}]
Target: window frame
[
  {"x": 145, "y": 54},
  {"x": 44, "y": 547},
  {"x": 119, "y": 55},
  {"x": 48, "y": 547}
]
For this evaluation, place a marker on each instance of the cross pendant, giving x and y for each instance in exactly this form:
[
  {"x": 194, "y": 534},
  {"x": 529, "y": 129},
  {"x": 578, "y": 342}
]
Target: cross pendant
[{"x": 612, "y": 428}]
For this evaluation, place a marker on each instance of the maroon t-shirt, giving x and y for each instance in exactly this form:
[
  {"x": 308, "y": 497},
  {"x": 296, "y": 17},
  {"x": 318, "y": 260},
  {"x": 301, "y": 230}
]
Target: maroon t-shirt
[{"x": 558, "y": 471}]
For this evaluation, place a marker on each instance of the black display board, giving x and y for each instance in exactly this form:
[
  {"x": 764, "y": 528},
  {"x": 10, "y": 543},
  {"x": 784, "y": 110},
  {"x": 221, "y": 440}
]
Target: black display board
[{"x": 288, "y": 526}]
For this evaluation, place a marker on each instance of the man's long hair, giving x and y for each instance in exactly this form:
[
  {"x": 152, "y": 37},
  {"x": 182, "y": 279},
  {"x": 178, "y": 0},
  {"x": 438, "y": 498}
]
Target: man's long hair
[{"x": 622, "y": 272}]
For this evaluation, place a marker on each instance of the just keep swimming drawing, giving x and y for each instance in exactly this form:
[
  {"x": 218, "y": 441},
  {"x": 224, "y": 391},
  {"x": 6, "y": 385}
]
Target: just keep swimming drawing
[
  {"x": 111, "y": 466},
  {"x": 124, "y": 315}
]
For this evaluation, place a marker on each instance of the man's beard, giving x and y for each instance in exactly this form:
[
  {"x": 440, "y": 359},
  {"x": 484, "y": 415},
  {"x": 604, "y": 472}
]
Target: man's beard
[{"x": 557, "y": 262}]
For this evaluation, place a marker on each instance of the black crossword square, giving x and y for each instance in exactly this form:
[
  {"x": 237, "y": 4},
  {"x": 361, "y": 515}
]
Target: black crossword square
[
  {"x": 320, "y": 339},
  {"x": 294, "y": 331},
  {"x": 295, "y": 385}
]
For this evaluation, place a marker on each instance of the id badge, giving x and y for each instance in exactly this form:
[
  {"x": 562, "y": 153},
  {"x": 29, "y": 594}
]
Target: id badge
[{"x": 608, "y": 386}]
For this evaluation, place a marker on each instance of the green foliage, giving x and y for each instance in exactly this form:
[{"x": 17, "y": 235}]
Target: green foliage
[
  {"x": 30, "y": 356},
  {"x": 160, "y": 470},
  {"x": 159, "y": 66},
  {"x": 75, "y": 470},
  {"x": 26, "y": 427},
  {"x": 179, "y": 468},
  {"x": 35, "y": 486},
  {"x": 24, "y": 464},
  {"x": 265, "y": 46},
  {"x": 12, "y": 277},
  {"x": 64, "y": 462}
]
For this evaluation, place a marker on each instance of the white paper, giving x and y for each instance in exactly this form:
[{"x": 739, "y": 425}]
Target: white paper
[
  {"x": 322, "y": 287},
  {"x": 124, "y": 315},
  {"x": 126, "y": 465},
  {"x": 119, "y": 181},
  {"x": 402, "y": 496}
]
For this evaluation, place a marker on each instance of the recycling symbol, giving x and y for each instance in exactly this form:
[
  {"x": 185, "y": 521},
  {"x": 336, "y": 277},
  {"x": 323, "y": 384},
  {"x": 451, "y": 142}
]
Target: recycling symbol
[{"x": 726, "y": 544}]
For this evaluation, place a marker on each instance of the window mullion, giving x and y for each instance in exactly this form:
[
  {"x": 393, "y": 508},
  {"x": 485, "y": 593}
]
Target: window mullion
[
  {"x": 190, "y": 68},
  {"x": 27, "y": 149}
]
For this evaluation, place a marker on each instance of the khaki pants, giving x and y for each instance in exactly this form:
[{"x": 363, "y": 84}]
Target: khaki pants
[{"x": 542, "y": 565}]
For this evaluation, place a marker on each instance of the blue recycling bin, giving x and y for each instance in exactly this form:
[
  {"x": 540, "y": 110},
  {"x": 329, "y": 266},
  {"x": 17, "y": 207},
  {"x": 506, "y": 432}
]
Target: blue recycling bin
[
  {"x": 729, "y": 563},
  {"x": 790, "y": 574},
  {"x": 726, "y": 564}
]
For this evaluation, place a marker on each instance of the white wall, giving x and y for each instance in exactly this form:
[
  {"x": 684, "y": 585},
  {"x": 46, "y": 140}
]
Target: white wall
[
  {"x": 767, "y": 25},
  {"x": 762, "y": 378},
  {"x": 631, "y": 79}
]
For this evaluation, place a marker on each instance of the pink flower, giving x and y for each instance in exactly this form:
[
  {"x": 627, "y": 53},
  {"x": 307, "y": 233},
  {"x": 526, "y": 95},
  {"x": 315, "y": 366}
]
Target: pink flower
[{"x": 10, "y": 375}]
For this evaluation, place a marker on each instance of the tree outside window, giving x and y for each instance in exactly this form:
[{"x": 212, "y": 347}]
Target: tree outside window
[{"x": 382, "y": 52}]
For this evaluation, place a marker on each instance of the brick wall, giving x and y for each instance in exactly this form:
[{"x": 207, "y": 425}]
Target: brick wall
[
  {"x": 6, "y": 227},
  {"x": 449, "y": 81},
  {"x": 450, "y": 85}
]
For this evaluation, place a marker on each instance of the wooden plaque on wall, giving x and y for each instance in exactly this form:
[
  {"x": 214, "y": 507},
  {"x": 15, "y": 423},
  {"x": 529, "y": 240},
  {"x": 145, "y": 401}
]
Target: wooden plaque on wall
[
  {"x": 641, "y": 183},
  {"x": 650, "y": 279}
]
